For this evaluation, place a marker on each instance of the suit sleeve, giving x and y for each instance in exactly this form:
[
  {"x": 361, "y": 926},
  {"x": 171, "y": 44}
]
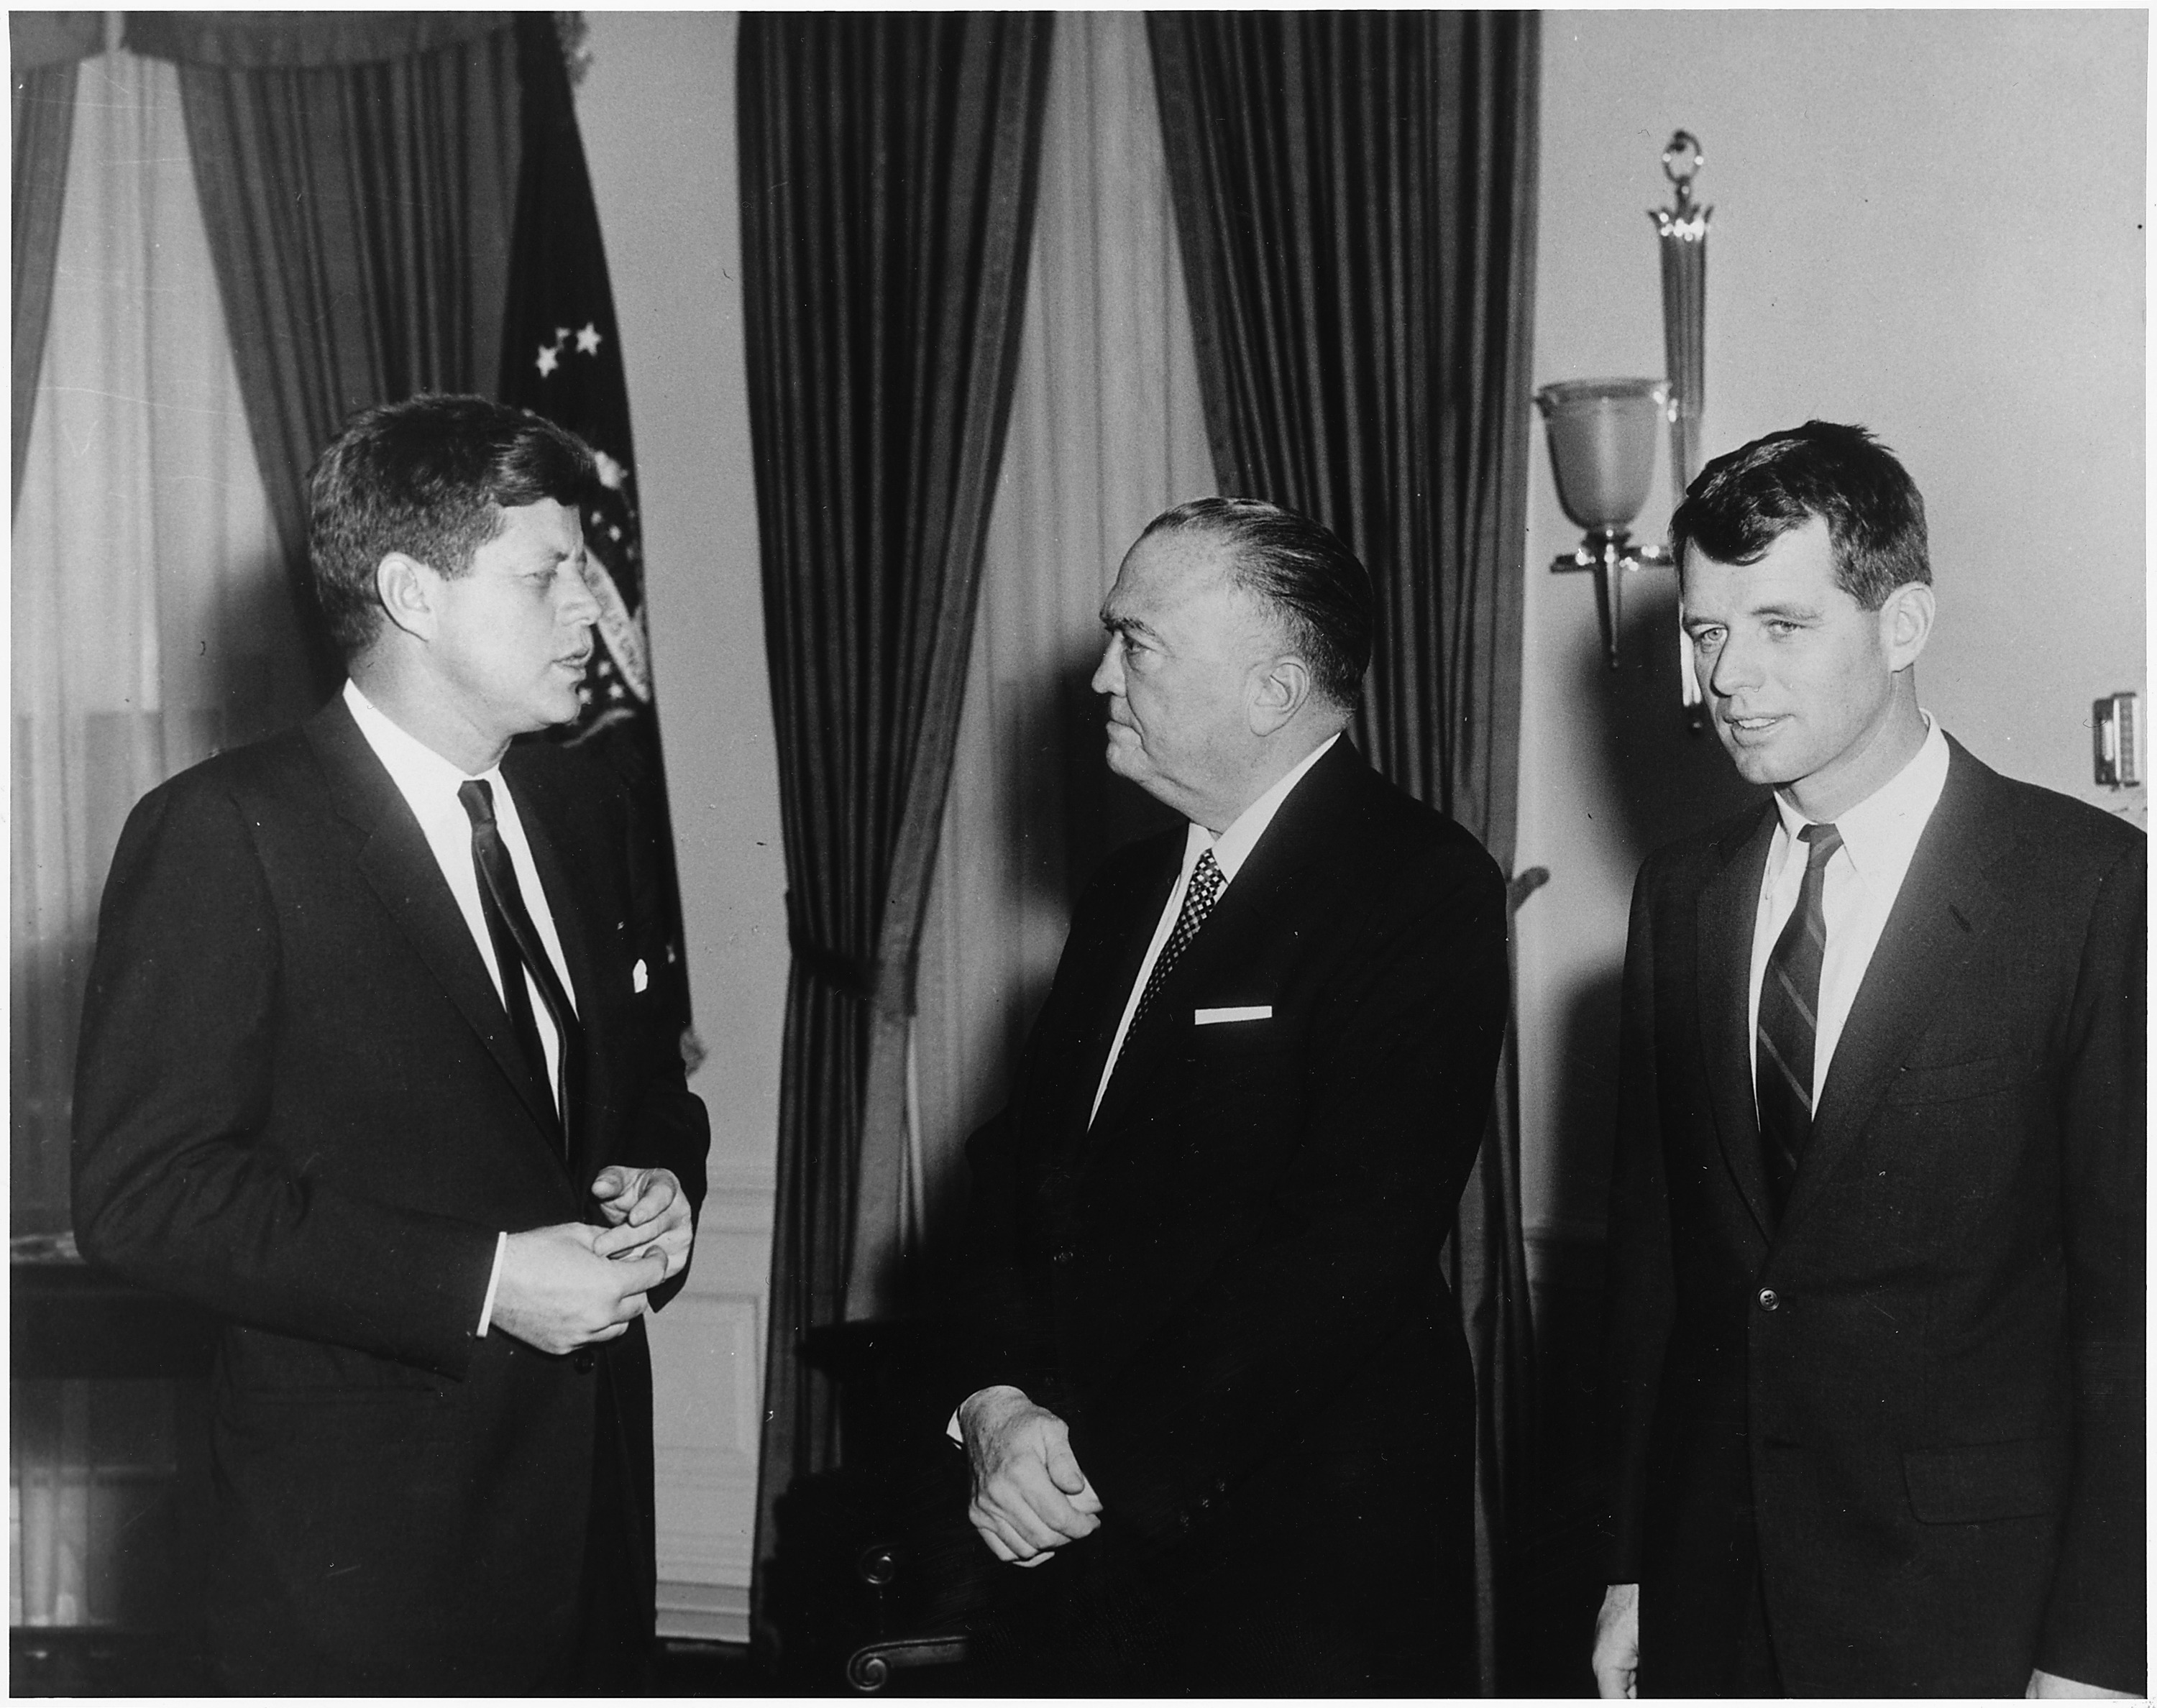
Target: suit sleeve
[
  {"x": 2094, "y": 1629},
  {"x": 1639, "y": 1290},
  {"x": 179, "y": 1180},
  {"x": 1403, "y": 1053}
]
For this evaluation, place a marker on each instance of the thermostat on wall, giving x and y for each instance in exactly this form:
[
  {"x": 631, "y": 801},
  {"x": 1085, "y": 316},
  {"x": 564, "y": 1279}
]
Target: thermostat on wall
[{"x": 2116, "y": 733}]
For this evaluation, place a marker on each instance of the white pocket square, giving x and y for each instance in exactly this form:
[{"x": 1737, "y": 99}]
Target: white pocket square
[
  {"x": 1222, "y": 1016},
  {"x": 638, "y": 978}
]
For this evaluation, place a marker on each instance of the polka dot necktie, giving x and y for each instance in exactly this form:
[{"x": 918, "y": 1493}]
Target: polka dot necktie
[
  {"x": 1207, "y": 883},
  {"x": 1790, "y": 1005}
]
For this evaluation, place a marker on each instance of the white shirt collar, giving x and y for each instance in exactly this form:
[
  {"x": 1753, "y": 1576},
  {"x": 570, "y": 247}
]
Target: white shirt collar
[
  {"x": 1881, "y": 831},
  {"x": 417, "y": 769},
  {"x": 1233, "y": 845}
]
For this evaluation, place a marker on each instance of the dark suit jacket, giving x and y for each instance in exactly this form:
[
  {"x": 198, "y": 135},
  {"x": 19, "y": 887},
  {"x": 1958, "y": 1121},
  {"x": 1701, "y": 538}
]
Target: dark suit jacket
[
  {"x": 1917, "y": 1401},
  {"x": 300, "y": 1105},
  {"x": 1230, "y": 1287}
]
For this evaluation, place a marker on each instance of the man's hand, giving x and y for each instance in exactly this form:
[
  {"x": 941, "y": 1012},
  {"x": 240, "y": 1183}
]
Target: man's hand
[
  {"x": 648, "y": 1214},
  {"x": 2045, "y": 1684},
  {"x": 557, "y": 1291},
  {"x": 1030, "y": 1497},
  {"x": 1617, "y": 1660}
]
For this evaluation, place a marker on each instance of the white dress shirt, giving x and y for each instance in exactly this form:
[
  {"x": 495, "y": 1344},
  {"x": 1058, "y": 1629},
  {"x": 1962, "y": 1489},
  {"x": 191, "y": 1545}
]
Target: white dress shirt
[
  {"x": 1864, "y": 875},
  {"x": 1231, "y": 848},
  {"x": 429, "y": 784}
]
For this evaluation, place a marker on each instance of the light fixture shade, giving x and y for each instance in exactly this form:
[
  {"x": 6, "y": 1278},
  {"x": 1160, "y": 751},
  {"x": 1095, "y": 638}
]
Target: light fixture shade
[{"x": 1603, "y": 446}]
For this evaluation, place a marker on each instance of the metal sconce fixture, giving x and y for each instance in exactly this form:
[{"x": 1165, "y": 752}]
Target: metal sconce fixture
[
  {"x": 1602, "y": 451},
  {"x": 1602, "y": 431}
]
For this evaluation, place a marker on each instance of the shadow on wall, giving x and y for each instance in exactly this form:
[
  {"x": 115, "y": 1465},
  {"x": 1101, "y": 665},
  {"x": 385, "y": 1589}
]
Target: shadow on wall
[{"x": 1658, "y": 779}]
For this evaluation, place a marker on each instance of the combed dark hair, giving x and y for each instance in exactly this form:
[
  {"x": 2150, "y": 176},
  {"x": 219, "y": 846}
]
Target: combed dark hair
[
  {"x": 1317, "y": 586},
  {"x": 1748, "y": 498},
  {"x": 430, "y": 477}
]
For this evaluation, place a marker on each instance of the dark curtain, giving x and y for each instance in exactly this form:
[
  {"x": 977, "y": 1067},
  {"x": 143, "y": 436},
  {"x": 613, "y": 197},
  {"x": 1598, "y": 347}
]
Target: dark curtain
[
  {"x": 42, "y": 48},
  {"x": 1355, "y": 196},
  {"x": 358, "y": 173},
  {"x": 887, "y": 170}
]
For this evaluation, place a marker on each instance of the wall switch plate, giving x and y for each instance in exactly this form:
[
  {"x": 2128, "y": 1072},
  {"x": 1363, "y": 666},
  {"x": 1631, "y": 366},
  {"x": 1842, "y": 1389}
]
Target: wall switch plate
[{"x": 2116, "y": 735}]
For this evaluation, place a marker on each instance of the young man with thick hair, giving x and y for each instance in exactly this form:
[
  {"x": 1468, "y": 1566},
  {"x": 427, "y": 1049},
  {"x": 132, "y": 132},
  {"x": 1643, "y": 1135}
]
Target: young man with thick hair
[
  {"x": 368, "y": 1069},
  {"x": 1875, "y": 1266}
]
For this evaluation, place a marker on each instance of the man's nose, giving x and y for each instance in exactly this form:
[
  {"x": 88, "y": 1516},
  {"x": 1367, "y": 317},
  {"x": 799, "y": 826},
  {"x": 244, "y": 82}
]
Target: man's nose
[
  {"x": 578, "y": 607},
  {"x": 1736, "y": 668},
  {"x": 1108, "y": 673}
]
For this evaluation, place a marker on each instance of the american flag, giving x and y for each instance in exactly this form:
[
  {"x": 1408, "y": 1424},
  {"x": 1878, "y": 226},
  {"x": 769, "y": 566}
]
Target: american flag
[{"x": 561, "y": 357}]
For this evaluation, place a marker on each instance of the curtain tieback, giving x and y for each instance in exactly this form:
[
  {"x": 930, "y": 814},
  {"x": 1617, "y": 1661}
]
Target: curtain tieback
[{"x": 889, "y": 984}]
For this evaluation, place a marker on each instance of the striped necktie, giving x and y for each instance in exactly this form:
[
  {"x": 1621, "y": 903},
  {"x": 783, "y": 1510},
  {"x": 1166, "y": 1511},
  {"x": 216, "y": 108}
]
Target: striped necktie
[
  {"x": 1789, "y": 1004},
  {"x": 517, "y": 950}
]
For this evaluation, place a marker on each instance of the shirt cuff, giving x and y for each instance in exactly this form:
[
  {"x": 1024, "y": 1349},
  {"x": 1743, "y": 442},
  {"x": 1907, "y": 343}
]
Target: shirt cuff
[{"x": 494, "y": 1280}]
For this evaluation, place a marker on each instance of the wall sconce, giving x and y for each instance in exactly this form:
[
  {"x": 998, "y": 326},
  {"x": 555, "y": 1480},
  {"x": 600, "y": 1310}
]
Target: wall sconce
[
  {"x": 1602, "y": 451},
  {"x": 1603, "y": 431}
]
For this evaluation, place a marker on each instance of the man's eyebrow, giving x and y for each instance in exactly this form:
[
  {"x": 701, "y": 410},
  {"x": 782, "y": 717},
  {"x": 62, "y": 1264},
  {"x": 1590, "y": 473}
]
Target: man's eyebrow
[
  {"x": 1114, "y": 623},
  {"x": 1699, "y": 620}
]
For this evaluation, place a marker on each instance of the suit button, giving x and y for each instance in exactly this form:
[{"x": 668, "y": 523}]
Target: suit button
[
  {"x": 1768, "y": 1300},
  {"x": 583, "y": 1362}
]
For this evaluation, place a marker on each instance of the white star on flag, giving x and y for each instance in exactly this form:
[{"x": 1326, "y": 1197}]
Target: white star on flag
[
  {"x": 588, "y": 341},
  {"x": 550, "y": 358},
  {"x": 611, "y": 474}
]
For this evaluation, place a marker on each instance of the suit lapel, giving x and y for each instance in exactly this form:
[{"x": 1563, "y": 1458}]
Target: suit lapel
[
  {"x": 1312, "y": 813},
  {"x": 1723, "y": 966},
  {"x": 1946, "y": 902},
  {"x": 394, "y": 859}
]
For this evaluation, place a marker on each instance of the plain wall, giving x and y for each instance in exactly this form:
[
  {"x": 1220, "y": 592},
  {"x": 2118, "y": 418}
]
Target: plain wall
[
  {"x": 1928, "y": 222},
  {"x": 657, "y": 108}
]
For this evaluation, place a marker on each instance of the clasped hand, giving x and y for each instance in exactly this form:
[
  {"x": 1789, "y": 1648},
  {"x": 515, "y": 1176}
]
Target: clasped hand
[
  {"x": 574, "y": 1285},
  {"x": 1030, "y": 1497}
]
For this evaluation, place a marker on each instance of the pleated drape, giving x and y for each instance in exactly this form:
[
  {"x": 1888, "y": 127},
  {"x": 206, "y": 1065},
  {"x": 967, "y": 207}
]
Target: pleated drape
[
  {"x": 887, "y": 167},
  {"x": 43, "y": 50},
  {"x": 1356, "y": 196},
  {"x": 1107, "y": 431},
  {"x": 358, "y": 178}
]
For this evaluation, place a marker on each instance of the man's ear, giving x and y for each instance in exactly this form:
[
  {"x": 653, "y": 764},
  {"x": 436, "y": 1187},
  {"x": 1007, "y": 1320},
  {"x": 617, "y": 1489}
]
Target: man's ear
[
  {"x": 410, "y": 592},
  {"x": 1906, "y": 623},
  {"x": 1279, "y": 686}
]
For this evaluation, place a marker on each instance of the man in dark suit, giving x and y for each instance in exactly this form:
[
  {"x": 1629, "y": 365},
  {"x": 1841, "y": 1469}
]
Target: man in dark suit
[
  {"x": 1877, "y": 1223},
  {"x": 368, "y": 1069},
  {"x": 1220, "y": 1396}
]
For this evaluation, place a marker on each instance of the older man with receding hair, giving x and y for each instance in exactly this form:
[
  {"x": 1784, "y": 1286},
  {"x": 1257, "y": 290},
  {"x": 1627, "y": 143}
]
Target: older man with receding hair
[{"x": 1221, "y": 1423}]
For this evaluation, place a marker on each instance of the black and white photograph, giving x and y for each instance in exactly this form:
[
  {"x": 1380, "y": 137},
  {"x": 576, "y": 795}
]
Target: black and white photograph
[{"x": 1057, "y": 854}]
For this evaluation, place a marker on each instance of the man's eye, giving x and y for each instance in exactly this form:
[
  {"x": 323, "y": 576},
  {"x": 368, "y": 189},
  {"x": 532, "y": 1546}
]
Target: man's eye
[{"x": 1702, "y": 639}]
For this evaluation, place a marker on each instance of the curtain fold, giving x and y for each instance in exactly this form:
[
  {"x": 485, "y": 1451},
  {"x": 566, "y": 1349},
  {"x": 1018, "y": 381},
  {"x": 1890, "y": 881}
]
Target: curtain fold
[
  {"x": 151, "y": 623},
  {"x": 1356, "y": 196},
  {"x": 1107, "y": 431},
  {"x": 360, "y": 217},
  {"x": 887, "y": 167},
  {"x": 43, "y": 50}
]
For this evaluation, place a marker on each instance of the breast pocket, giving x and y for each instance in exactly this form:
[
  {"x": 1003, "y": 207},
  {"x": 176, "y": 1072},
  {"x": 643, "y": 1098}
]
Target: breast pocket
[{"x": 1953, "y": 1082}]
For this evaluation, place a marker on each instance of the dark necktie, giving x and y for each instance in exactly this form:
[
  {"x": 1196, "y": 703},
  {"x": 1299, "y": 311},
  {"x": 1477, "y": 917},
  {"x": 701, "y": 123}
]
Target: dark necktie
[
  {"x": 1199, "y": 895},
  {"x": 517, "y": 950},
  {"x": 1790, "y": 1004}
]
